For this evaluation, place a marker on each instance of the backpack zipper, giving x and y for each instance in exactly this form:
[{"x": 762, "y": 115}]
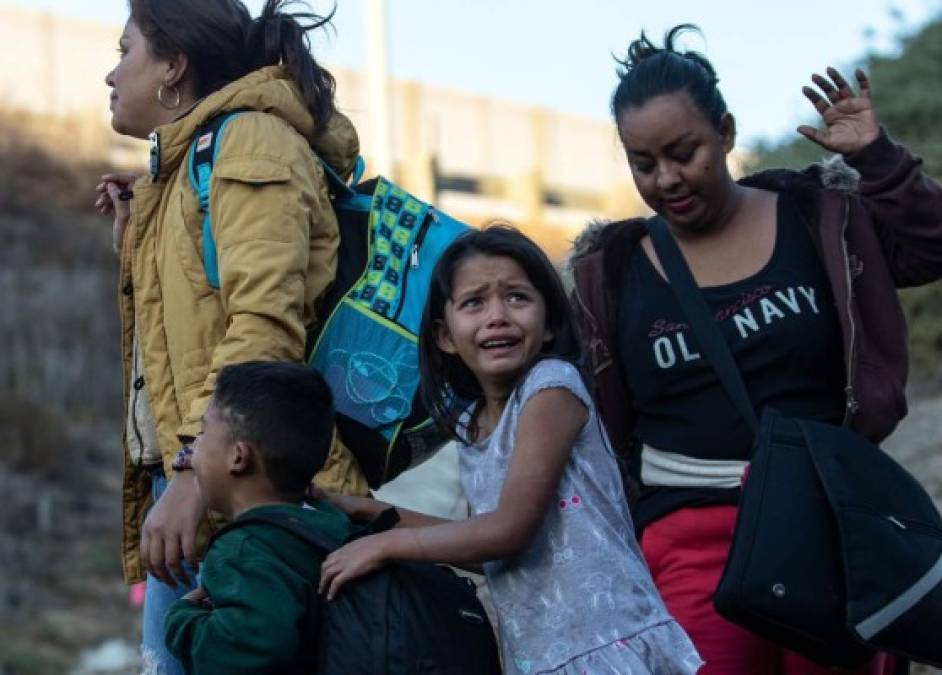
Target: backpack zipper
[{"x": 430, "y": 217}]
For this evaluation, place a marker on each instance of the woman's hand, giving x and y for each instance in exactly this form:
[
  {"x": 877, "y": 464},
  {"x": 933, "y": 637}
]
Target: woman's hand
[
  {"x": 354, "y": 560},
  {"x": 849, "y": 119},
  {"x": 169, "y": 533},
  {"x": 114, "y": 193}
]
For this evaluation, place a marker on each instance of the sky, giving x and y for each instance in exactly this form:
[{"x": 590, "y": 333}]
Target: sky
[{"x": 559, "y": 55}]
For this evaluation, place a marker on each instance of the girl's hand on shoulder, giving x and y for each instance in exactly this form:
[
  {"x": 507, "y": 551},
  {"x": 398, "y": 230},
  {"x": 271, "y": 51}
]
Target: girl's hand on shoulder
[
  {"x": 850, "y": 121},
  {"x": 354, "y": 560}
]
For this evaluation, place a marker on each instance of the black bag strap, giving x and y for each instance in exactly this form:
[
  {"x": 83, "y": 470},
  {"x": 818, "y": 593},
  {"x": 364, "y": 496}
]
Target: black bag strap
[
  {"x": 298, "y": 527},
  {"x": 710, "y": 339},
  {"x": 285, "y": 521}
]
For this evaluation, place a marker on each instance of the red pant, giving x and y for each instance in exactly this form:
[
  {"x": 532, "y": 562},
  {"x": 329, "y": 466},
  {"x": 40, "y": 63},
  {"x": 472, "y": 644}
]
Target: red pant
[{"x": 686, "y": 551}]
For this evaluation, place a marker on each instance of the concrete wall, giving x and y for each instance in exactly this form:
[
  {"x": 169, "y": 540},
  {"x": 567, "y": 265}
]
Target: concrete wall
[{"x": 478, "y": 158}]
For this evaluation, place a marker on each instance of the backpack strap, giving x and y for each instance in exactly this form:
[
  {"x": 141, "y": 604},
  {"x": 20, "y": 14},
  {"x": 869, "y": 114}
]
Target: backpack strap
[
  {"x": 284, "y": 521},
  {"x": 296, "y": 526},
  {"x": 343, "y": 194},
  {"x": 201, "y": 157},
  {"x": 341, "y": 189}
]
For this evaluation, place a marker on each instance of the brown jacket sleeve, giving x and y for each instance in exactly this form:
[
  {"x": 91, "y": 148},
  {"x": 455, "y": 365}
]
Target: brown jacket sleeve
[
  {"x": 906, "y": 208},
  {"x": 595, "y": 310}
]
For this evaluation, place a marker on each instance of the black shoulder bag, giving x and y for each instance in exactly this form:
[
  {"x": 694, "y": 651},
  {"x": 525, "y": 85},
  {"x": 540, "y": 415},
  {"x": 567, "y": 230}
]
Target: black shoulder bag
[
  {"x": 406, "y": 618},
  {"x": 837, "y": 551}
]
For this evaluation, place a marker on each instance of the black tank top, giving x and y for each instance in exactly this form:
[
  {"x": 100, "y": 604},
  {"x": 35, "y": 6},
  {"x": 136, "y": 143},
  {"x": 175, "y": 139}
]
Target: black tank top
[{"x": 782, "y": 329}]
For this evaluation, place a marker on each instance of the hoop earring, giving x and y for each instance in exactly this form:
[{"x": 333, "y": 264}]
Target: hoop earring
[{"x": 176, "y": 97}]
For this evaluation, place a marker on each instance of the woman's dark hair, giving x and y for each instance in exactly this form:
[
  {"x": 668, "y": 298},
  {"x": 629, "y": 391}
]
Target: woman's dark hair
[
  {"x": 224, "y": 43},
  {"x": 648, "y": 71},
  {"x": 447, "y": 384}
]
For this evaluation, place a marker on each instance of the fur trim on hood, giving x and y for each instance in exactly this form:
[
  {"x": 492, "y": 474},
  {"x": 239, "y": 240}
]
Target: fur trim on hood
[
  {"x": 588, "y": 241},
  {"x": 836, "y": 174}
]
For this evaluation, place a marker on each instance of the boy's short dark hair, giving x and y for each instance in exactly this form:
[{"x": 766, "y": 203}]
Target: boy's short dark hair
[{"x": 286, "y": 410}]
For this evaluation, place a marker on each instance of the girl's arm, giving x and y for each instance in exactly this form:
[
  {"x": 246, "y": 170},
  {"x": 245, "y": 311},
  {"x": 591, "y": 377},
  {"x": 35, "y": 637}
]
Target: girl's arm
[
  {"x": 548, "y": 427},
  {"x": 365, "y": 509}
]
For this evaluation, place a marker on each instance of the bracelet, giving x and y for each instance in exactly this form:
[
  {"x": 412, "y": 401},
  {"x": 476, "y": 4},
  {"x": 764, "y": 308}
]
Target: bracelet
[{"x": 183, "y": 461}]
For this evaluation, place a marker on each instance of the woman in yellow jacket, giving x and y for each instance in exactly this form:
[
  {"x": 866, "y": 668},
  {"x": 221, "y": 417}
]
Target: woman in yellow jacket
[{"x": 183, "y": 63}]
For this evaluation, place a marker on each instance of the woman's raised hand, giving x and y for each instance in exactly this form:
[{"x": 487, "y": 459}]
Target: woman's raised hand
[{"x": 849, "y": 119}]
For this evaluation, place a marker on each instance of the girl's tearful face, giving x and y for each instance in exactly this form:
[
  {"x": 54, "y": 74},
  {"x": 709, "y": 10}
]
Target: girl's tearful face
[{"x": 495, "y": 321}]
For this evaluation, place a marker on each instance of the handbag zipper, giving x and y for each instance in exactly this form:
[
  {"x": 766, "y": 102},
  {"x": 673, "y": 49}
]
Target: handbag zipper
[
  {"x": 915, "y": 525},
  {"x": 900, "y": 522}
]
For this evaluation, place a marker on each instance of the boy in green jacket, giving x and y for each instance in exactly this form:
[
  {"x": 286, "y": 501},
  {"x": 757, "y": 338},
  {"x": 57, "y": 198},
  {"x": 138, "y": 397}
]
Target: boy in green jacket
[{"x": 265, "y": 434}]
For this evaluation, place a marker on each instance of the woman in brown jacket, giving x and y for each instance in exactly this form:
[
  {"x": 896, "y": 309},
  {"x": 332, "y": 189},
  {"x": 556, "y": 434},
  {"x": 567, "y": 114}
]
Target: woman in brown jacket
[{"x": 800, "y": 271}]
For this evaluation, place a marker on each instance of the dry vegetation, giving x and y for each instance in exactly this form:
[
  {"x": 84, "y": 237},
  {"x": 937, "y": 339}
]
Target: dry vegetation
[{"x": 61, "y": 587}]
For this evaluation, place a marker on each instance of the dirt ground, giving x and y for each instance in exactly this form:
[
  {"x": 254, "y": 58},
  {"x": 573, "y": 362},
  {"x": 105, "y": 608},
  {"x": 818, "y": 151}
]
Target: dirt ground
[{"x": 61, "y": 591}]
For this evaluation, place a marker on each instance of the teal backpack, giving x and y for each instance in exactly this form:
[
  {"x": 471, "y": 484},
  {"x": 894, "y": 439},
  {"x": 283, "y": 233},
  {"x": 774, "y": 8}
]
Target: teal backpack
[{"x": 366, "y": 347}]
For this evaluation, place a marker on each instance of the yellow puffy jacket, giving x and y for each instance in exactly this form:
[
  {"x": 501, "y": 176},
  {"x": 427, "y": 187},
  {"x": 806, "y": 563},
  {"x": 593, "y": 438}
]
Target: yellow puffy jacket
[{"x": 276, "y": 237}]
